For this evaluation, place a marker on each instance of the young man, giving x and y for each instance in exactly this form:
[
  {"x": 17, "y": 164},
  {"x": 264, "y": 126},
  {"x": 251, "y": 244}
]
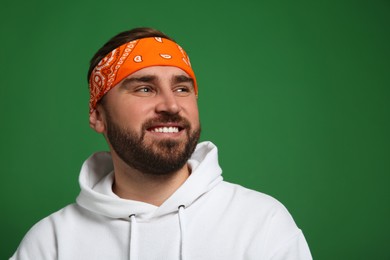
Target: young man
[{"x": 157, "y": 194}]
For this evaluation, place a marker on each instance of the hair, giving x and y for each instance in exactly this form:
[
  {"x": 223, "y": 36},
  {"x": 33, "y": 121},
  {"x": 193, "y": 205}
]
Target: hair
[{"x": 120, "y": 39}]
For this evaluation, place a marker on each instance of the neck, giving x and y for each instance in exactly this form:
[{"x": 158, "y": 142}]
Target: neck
[{"x": 132, "y": 184}]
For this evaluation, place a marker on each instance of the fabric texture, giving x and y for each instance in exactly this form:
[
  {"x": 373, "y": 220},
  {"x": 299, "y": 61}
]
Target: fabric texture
[
  {"x": 131, "y": 57},
  {"x": 206, "y": 218}
]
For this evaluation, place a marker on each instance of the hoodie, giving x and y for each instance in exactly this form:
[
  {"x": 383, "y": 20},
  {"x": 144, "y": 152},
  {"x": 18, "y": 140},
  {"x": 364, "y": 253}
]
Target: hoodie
[{"x": 206, "y": 218}]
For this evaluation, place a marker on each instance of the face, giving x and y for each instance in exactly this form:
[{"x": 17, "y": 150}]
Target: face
[{"x": 151, "y": 119}]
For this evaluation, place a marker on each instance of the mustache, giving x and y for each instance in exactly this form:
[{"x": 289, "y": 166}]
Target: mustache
[{"x": 166, "y": 118}]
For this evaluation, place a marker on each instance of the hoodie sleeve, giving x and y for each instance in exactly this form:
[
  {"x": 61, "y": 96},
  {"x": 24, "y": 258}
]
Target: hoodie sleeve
[
  {"x": 38, "y": 243},
  {"x": 295, "y": 248},
  {"x": 286, "y": 240}
]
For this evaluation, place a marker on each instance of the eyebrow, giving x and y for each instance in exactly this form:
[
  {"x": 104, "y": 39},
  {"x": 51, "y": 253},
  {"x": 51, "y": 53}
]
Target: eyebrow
[
  {"x": 151, "y": 78},
  {"x": 143, "y": 79},
  {"x": 182, "y": 79}
]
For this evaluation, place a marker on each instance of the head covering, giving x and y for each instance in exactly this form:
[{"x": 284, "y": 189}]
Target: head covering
[{"x": 131, "y": 57}]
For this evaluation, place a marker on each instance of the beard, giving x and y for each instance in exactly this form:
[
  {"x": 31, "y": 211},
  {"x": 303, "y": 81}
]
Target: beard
[{"x": 162, "y": 157}]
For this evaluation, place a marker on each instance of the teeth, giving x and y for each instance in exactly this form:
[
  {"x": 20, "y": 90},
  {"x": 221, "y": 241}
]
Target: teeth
[{"x": 166, "y": 130}]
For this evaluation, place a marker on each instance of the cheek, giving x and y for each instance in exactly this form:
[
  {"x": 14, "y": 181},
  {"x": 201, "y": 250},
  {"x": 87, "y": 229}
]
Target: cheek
[
  {"x": 193, "y": 114},
  {"x": 131, "y": 111}
]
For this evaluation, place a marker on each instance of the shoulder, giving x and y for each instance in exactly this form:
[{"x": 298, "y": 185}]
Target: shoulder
[
  {"x": 270, "y": 218},
  {"x": 40, "y": 241},
  {"x": 249, "y": 198},
  {"x": 261, "y": 220},
  {"x": 255, "y": 208}
]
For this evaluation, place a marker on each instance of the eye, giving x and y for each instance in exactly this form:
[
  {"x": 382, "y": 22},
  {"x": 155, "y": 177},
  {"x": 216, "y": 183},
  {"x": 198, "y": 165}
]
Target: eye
[
  {"x": 144, "y": 90},
  {"x": 182, "y": 90}
]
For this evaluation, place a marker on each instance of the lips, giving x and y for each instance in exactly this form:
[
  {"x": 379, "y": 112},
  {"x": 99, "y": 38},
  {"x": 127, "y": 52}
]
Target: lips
[
  {"x": 167, "y": 124},
  {"x": 165, "y": 129}
]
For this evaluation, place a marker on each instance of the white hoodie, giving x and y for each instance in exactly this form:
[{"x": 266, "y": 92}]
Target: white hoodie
[{"x": 206, "y": 218}]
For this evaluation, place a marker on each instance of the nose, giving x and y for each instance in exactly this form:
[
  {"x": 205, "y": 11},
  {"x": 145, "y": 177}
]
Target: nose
[{"x": 168, "y": 103}]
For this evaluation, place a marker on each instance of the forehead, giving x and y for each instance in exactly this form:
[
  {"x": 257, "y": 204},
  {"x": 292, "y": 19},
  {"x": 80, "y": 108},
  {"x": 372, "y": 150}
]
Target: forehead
[{"x": 159, "y": 71}]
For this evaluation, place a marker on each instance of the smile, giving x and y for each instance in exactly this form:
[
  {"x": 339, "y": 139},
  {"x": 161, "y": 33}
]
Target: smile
[{"x": 171, "y": 129}]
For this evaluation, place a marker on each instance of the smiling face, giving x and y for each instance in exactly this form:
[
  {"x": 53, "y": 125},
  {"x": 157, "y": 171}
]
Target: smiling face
[{"x": 151, "y": 120}]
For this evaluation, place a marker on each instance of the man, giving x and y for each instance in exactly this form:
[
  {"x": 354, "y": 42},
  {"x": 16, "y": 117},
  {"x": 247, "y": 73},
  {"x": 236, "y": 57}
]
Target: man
[{"x": 157, "y": 194}]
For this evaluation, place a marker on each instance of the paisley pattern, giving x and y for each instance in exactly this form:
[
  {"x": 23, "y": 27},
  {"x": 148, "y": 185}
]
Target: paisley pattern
[{"x": 131, "y": 57}]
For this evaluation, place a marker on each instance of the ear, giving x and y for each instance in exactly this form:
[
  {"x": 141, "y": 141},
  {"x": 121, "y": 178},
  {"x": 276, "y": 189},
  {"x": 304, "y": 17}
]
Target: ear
[{"x": 96, "y": 120}]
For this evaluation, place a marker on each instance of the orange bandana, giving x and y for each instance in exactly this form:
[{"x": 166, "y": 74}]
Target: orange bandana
[{"x": 131, "y": 57}]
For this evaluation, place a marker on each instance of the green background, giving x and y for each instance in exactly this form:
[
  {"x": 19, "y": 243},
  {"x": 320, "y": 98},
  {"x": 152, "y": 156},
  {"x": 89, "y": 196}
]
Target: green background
[{"x": 294, "y": 93}]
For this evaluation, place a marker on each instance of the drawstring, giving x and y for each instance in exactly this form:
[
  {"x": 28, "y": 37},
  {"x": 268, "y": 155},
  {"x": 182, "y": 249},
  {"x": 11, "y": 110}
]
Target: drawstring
[
  {"x": 133, "y": 238},
  {"x": 182, "y": 229},
  {"x": 133, "y": 255}
]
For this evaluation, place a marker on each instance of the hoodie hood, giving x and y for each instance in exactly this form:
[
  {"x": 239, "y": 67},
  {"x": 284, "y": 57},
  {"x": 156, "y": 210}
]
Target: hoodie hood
[{"x": 97, "y": 170}]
